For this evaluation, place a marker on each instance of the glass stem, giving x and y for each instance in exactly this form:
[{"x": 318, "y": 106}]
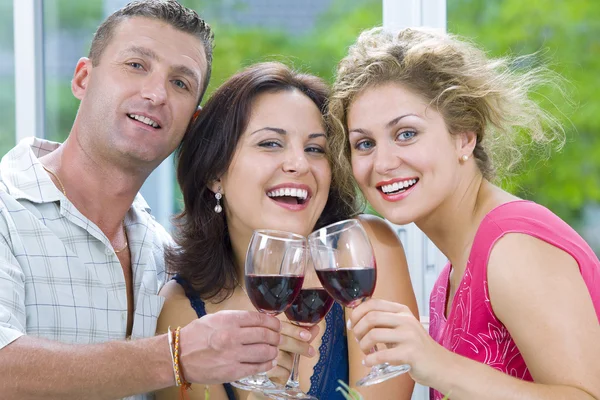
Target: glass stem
[{"x": 292, "y": 382}]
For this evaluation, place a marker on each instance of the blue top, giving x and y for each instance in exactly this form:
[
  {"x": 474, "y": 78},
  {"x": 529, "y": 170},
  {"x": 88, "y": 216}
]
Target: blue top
[{"x": 333, "y": 352}]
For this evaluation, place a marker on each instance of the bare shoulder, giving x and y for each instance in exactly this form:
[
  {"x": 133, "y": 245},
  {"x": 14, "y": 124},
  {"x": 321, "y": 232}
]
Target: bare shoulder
[
  {"x": 172, "y": 289},
  {"x": 521, "y": 255},
  {"x": 177, "y": 310},
  {"x": 522, "y": 267},
  {"x": 393, "y": 278},
  {"x": 380, "y": 232}
]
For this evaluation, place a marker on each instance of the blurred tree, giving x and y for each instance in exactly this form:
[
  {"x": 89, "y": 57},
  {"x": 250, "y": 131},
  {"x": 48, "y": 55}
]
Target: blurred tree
[{"x": 567, "y": 33}]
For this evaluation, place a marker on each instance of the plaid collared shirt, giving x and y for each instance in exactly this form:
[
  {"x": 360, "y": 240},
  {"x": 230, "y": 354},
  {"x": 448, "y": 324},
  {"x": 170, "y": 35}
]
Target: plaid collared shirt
[{"x": 60, "y": 278}]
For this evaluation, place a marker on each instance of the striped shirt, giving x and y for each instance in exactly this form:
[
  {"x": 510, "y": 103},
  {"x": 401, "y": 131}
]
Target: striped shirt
[{"x": 60, "y": 278}]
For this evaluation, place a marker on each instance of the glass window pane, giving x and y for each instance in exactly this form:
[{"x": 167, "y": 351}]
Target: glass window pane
[
  {"x": 7, "y": 78},
  {"x": 68, "y": 30}
]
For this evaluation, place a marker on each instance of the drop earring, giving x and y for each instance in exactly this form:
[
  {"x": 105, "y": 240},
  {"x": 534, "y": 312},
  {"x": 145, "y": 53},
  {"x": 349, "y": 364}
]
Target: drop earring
[{"x": 218, "y": 196}]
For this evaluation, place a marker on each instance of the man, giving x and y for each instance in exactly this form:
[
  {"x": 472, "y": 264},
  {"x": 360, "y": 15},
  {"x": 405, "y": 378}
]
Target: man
[{"x": 81, "y": 259}]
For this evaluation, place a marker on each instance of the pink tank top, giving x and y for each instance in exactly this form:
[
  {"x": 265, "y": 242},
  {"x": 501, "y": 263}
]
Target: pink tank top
[{"x": 472, "y": 329}]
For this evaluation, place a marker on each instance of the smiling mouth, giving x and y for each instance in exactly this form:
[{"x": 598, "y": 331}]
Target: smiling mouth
[
  {"x": 144, "y": 120},
  {"x": 398, "y": 187},
  {"x": 289, "y": 196}
]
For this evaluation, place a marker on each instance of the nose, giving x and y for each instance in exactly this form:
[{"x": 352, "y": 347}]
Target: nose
[
  {"x": 295, "y": 162},
  {"x": 386, "y": 159},
  {"x": 154, "y": 89}
]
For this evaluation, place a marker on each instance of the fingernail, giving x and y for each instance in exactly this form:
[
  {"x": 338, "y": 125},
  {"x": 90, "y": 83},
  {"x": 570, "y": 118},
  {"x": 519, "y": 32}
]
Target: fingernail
[
  {"x": 348, "y": 324},
  {"x": 305, "y": 335},
  {"x": 355, "y": 338},
  {"x": 311, "y": 351},
  {"x": 274, "y": 363},
  {"x": 363, "y": 362}
]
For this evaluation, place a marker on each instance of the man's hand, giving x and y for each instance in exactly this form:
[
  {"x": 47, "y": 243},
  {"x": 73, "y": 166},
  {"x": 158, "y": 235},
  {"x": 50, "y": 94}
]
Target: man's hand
[{"x": 229, "y": 345}]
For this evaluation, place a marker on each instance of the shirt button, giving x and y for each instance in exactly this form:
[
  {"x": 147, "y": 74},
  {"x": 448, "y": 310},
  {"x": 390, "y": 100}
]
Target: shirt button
[{"x": 108, "y": 251}]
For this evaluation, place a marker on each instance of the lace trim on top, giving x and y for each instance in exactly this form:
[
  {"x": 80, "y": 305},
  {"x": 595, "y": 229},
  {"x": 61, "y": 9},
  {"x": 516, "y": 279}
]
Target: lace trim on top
[{"x": 333, "y": 357}]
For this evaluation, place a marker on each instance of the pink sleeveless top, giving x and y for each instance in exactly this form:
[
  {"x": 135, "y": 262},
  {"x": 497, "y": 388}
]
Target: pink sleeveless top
[{"x": 472, "y": 329}]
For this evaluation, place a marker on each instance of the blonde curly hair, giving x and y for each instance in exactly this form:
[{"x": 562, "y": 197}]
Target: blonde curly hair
[{"x": 474, "y": 93}]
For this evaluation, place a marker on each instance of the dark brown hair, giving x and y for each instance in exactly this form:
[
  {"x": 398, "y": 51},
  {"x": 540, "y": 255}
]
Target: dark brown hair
[
  {"x": 169, "y": 11},
  {"x": 203, "y": 255}
]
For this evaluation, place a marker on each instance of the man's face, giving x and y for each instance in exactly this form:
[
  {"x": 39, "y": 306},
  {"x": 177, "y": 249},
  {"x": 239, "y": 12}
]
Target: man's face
[{"x": 137, "y": 102}]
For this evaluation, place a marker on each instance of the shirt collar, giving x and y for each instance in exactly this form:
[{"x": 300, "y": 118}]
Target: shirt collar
[
  {"x": 23, "y": 174},
  {"x": 25, "y": 178}
]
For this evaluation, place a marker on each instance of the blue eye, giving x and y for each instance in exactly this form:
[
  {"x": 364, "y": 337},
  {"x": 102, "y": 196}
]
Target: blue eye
[
  {"x": 180, "y": 84},
  {"x": 136, "y": 65},
  {"x": 406, "y": 135},
  {"x": 364, "y": 145}
]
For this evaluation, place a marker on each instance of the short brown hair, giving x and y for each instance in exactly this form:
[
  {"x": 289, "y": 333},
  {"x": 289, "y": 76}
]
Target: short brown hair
[{"x": 169, "y": 11}]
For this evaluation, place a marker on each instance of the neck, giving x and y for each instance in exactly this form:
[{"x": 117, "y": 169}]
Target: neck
[
  {"x": 106, "y": 191},
  {"x": 453, "y": 225}
]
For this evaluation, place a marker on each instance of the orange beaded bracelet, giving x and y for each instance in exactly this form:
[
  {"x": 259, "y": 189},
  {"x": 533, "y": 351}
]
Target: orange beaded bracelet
[{"x": 178, "y": 372}]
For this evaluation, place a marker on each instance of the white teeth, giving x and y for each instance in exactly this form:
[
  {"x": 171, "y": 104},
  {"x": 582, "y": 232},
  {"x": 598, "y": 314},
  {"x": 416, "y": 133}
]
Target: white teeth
[
  {"x": 143, "y": 119},
  {"x": 396, "y": 186},
  {"x": 293, "y": 192}
]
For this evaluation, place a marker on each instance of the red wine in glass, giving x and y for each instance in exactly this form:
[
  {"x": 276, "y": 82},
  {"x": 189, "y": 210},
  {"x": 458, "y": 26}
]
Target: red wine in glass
[
  {"x": 272, "y": 294},
  {"x": 310, "y": 307},
  {"x": 349, "y": 286},
  {"x": 274, "y": 274},
  {"x": 345, "y": 264}
]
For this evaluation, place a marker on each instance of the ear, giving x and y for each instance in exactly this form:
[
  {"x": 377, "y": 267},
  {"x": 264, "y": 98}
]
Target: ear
[
  {"x": 196, "y": 114},
  {"x": 465, "y": 143},
  {"x": 81, "y": 77},
  {"x": 215, "y": 185}
]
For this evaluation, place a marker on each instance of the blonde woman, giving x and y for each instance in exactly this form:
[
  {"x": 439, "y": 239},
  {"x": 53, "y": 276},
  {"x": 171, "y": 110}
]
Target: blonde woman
[{"x": 424, "y": 120}]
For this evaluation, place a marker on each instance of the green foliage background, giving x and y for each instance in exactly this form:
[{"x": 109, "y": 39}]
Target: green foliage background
[{"x": 566, "y": 32}]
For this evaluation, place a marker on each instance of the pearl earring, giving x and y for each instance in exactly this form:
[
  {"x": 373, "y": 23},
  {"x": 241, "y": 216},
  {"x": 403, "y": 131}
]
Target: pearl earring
[
  {"x": 218, "y": 196},
  {"x": 464, "y": 157}
]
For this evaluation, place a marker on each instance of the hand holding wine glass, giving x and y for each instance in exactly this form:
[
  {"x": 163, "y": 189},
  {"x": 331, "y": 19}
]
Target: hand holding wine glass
[
  {"x": 346, "y": 266},
  {"x": 406, "y": 340},
  {"x": 274, "y": 272}
]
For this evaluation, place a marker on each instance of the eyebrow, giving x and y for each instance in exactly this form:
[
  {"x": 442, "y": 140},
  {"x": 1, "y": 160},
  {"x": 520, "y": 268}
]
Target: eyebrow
[
  {"x": 178, "y": 69},
  {"x": 388, "y": 125},
  {"x": 396, "y": 120},
  {"x": 284, "y": 132}
]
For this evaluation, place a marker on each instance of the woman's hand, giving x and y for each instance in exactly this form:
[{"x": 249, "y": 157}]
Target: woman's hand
[
  {"x": 294, "y": 340},
  {"x": 383, "y": 322}
]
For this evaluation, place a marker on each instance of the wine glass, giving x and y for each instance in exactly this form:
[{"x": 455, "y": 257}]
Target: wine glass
[
  {"x": 346, "y": 266},
  {"x": 274, "y": 272},
  {"x": 308, "y": 309}
]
